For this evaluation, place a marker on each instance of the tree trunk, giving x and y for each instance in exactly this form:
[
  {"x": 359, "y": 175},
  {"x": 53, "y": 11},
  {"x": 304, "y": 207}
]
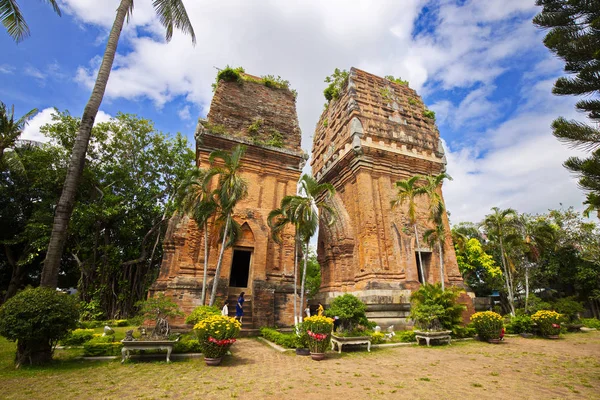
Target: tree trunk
[
  {"x": 305, "y": 262},
  {"x": 213, "y": 295},
  {"x": 419, "y": 252},
  {"x": 205, "y": 263},
  {"x": 33, "y": 353},
  {"x": 65, "y": 205},
  {"x": 526, "y": 288},
  {"x": 1, "y": 153},
  {"x": 441, "y": 263},
  {"x": 296, "y": 318},
  {"x": 506, "y": 278}
]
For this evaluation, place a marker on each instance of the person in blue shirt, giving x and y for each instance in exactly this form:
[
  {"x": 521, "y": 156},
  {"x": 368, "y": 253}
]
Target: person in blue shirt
[{"x": 239, "y": 310}]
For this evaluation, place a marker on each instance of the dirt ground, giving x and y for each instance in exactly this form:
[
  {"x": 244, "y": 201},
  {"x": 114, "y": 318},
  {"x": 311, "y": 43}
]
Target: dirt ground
[{"x": 519, "y": 368}]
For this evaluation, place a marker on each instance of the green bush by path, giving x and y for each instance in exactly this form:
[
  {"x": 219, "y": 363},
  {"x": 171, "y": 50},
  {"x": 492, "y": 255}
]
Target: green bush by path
[
  {"x": 287, "y": 340},
  {"x": 520, "y": 324},
  {"x": 78, "y": 337},
  {"x": 590, "y": 322}
]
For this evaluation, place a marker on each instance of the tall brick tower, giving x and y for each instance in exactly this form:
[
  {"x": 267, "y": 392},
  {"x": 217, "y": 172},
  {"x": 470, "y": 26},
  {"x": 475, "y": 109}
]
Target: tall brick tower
[
  {"x": 376, "y": 133},
  {"x": 264, "y": 120}
]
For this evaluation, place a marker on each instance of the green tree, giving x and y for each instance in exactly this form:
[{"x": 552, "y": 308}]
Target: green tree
[
  {"x": 408, "y": 191},
  {"x": 437, "y": 235},
  {"x": 195, "y": 199},
  {"x": 478, "y": 268},
  {"x": 231, "y": 189},
  {"x": 433, "y": 308},
  {"x": 14, "y": 21},
  {"x": 10, "y": 130},
  {"x": 500, "y": 226},
  {"x": 573, "y": 36},
  {"x": 171, "y": 14}
]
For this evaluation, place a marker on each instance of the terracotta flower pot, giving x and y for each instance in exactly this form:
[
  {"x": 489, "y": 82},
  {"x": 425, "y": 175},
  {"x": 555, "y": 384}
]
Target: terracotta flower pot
[
  {"x": 213, "y": 361},
  {"x": 317, "y": 356}
]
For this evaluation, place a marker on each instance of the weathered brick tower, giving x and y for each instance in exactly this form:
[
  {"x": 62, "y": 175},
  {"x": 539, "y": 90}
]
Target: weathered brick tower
[
  {"x": 264, "y": 120},
  {"x": 373, "y": 135}
]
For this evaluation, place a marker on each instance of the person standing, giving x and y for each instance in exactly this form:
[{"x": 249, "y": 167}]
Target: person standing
[
  {"x": 239, "y": 307},
  {"x": 225, "y": 310}
]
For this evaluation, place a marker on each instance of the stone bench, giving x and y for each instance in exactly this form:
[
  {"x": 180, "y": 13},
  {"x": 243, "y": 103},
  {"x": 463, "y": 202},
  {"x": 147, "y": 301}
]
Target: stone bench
[
  {"x": 341, "y": 341},
  {"x": 147, "y": 345},
  {"x": 433, "y": 335}
]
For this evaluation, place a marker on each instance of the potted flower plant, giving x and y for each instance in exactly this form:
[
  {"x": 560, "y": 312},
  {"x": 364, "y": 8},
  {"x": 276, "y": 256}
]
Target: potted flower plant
[
  {"x": 548, "y": 323},
  {"x": 216, "y": 334},
  {"x": 488, "y": 325},
  {"x": 318, "y": 330}
]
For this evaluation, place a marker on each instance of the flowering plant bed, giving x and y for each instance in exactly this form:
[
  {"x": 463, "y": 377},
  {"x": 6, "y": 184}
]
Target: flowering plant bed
[
  {"x": 488, "y": 324},
  {"x": 548, "y": 322},
  {"x": 318, "y": 329},
  {"x": 216, "y": 334}
]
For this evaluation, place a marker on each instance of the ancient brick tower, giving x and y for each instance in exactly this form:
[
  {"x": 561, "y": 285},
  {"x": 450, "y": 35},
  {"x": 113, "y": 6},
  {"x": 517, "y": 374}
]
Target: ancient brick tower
[
  {"x": 264, "y": 120},
  {"x": 373, "y": 135}
]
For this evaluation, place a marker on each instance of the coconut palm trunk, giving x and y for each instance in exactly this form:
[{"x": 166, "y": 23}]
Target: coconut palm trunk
[
  {"x": 296, "y": 317},
  {"x": 441, "y": 247},
  {"x": 419, "y": 253},
  {"x": 65, "y": 205},
  {"x": 507, "y": 279},
  {"x": 205, "y": 263},
  {"x": 305, "y": 262},
  {"x": 213, "y": 295}
]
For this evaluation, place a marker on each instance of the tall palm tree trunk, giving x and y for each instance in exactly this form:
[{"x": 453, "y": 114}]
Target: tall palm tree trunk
[
  {"x": 305, "y": 262},
  {"x": 65, "y": 205},
  {"x": 213, "y": 295},
  {"x": 296, "y": 317},
  {"x": 419, "y": 252},
  {"x": 441, "y": 263},
  {"x": 205, "y": 262},
  {"x": 506, "y": 278},
  {"x": 526, "y": 287}
]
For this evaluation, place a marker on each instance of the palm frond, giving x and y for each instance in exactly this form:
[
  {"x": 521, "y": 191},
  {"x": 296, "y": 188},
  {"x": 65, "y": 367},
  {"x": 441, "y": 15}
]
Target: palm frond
[
  {"x": 172, "y": 14},
  {"x": 13, "y": 20}
]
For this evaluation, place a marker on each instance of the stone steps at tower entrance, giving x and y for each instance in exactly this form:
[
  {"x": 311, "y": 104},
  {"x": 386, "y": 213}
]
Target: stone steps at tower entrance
[{"x": 247, "y": 321}]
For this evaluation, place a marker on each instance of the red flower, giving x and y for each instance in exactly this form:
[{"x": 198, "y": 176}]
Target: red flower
[
  {"x": 222, "y": 342},
  {"x": 556, "y": 326}
]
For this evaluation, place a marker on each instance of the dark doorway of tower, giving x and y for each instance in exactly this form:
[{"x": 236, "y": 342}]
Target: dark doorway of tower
[
  {"x": 240, "y": 268},
  {"x": 426, "y": 257}
]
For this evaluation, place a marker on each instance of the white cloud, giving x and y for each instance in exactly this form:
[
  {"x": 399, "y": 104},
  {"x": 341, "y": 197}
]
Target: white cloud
[
  {"x": 464, "y": 46},
  {"x": 184, "y": 113},
  {"x": 6, "y": 69},
  {"x": 44, "y": 117},
  {"x": 34, "y": 72}
]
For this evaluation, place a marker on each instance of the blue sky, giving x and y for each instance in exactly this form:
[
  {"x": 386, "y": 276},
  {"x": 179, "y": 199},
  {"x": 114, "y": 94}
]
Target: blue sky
[{"x": 480, "y": 65}]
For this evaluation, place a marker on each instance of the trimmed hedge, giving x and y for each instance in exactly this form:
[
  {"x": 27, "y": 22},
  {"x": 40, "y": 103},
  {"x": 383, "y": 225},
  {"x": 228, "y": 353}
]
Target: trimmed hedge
[
  {"x": 78, "y": 337},
  {"x": 96, "y": 349},
  {"x": 288, "y": 340}
]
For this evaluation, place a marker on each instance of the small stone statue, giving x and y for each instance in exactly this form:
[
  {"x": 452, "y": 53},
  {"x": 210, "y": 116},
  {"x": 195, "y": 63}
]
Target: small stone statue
[
  {"x": 129, "y": 336},
  {"x": 108, "y": 331}
]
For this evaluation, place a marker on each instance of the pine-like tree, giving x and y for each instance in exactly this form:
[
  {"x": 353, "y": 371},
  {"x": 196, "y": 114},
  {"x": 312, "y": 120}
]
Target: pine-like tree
[{"x": 574, "y": 36}]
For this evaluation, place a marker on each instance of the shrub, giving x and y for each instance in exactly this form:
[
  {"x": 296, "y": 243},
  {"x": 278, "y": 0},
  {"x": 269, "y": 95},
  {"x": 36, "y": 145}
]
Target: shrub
[
  {"x": 569, "y": 307},
  {"x": 488, "y": 324},
  {"x": 187, "y": 345},
  {"x": 318, "y": 329},
  {"x": 429, "y": 114},
  {"x": 548, "y": 322},
  {"x": 37, "y": 319},
  {"x": 461, "y": 332},
  {"x": 90, "y": 324},
  {"x": 272, "y": 81},
  {"x": 78, "y": 337},
  {"x": 377, "y": 337},
  {"x": 590, "y": 322},
  {"x": 406, "y": 336},
  {"x": 535, "y": 304},
  {"x": 97, "y": 348},
  {"x": 201, "y": 313},
  {"x": 216, "y": 334},
  {"x": 350, "y": 310},
  {"x": 433, "y": 308},
  {"x": 398, "y": 80},
  {"x": 159, "y": 306},
  {"x": 288, "y": 340},
  {"x": 228, "y": 74},
  {"x": 276, "y": 139},
  {"x": 520, "y": 324},
  {"x": 336, "y": 81}
]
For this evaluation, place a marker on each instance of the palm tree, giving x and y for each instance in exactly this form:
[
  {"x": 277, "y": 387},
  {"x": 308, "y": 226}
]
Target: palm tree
[
  {"x": 231, "y": 189},
  {"x": 499, "y": 226},
  {"x": 13, "y": 20},
  {"x": 277, "y": 220},
  {"x": 408, "y": 191},
  {"x": 437, "y": 235},
  {"x": 195, "y": 199},
  {"x": 432, "y": 183},
  {"x": 306, "y": 210},
  {"x": 10, "y": 130},
  {"x": 171, "y": 14}
]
